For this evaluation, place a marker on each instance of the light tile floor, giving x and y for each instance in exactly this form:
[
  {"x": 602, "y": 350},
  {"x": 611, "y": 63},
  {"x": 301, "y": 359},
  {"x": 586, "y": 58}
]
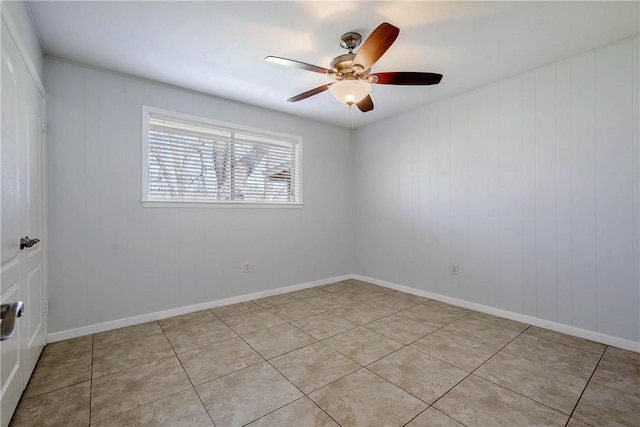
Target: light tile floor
[{"x": 350, "y": 353}]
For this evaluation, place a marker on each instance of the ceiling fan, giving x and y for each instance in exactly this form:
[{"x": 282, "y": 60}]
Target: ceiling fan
[{"x": 352, "y": 71}]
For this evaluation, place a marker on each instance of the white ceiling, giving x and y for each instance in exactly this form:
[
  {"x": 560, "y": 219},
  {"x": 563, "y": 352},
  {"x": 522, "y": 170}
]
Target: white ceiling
[{"x": 218, "y": 47}]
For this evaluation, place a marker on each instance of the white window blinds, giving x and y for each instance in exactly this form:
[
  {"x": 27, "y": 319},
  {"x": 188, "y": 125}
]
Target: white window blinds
[{"x": 188, "y": 160}]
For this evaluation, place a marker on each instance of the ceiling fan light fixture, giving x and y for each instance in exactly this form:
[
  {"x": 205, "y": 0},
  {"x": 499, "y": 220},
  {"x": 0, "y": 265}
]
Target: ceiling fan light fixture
[{"x": 350, "y": 92}]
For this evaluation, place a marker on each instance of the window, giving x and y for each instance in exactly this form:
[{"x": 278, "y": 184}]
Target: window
[{"x": 195, "y": 160}]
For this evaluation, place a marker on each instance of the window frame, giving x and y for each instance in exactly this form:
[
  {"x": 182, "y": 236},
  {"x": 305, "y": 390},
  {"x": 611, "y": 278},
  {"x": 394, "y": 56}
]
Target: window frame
[{"x": 150, "y": 201}]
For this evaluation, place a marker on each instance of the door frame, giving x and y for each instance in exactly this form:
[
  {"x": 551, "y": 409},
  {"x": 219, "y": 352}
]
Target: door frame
[
  {"x": 24, "y": 53},
  {"x": 9, "y": 24}
]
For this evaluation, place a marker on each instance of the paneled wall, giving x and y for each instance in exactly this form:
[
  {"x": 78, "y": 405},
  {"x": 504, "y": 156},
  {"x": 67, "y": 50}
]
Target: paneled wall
[
  {"x": 19, "y": 16},
  {"x": 110, "y": 258},
  {"x": 530, "y": 185}
]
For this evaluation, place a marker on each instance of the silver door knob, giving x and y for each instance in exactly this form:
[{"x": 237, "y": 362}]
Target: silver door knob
[
  {"x": 26, "y": 242},
  {"x": 9, "y": 313}
]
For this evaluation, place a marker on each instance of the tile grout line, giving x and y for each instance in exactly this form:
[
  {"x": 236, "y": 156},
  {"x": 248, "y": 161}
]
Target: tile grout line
[
  {"x": 471, "y": 373},
  {"x": 318, "y": 341},
  {"x": 513, "y": 391},
  {"x": 304, "y": 395},
  {"x": 435, "y": 409},
  {"x": 524, "y": 356},
  {"x": 362, "y": 366},
  {"x": 137, "y": 366},
  {"x": 585, "y": 386},
  {"x": 187, "y": 375},
  {"x": 429, "y": 405},
  {"x": 349, "y": 302},
  {"x": 91, "y": 378}
]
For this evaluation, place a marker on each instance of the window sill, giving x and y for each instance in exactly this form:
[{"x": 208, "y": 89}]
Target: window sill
[{"x": 150, "y": 203}]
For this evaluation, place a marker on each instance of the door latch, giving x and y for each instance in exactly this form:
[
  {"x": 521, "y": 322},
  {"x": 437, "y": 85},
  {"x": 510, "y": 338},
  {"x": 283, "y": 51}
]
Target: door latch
[
  {"x": 9, "y": 313},
  {"x": 26, "y": 242}
]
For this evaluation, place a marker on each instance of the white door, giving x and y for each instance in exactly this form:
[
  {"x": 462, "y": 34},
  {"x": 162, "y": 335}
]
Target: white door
[{"x": 22, "y": 277}]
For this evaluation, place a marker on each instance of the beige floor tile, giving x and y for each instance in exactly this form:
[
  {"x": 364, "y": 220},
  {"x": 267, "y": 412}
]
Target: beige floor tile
[
  {"x": 557, "y": 389},
  {"x": 433, "y": 418},
  {"x": 330, "y": 300},
  {"x": 357, "y": 282},
  {"x": 323, "y": 325},
  {"x": 178, "y": 322},
  {"x": 378, "y": 288},
  {"x": 400, "y": 328},
  {"x": 444, "y": 307},
  {"x": 125, "y": 390},
  {"x": 477, "y": 402},
  {"x": 65, "y": 407},
  {"x": 301, "y": 413},
  {"x": 307, "y": 293},
  {"x": 337, "y": 287},
  {"x": 604, "y": 406},
  {"x": 183, "y": 409},
  {"x": 214, "y": 360},
  {"x": 458, "y": 351},
  {"x": 359, "y": 313},
  {"x": 390, "y": 303},
  {"x": 592, "y": 346},
  {"x": 275, "y": 300},
  {"x": 235, "y": 309},
  {"x": 619, "y": 375},
  {"x": 359, "y": 294},
  {"x": 296, "y": 310},
  {"x": 314, "y": 366},
  {"x": 60, "y": 373},
  {"x": 425, "y": 377},
  {"x": 576, "y": 423},
  {"x": 433, "y": 315},
  {"x": 414, "y": 298},
  {"x": 278, "y": 340},
  {"x": 128, "y": 354},
  {"x": 626, "y": 355},
  {"x": 498, "y": 321},
  {"x": 243, "y": 324},
  {"x": 241, "y": 397},
  {"x": 482, "y": 332},
  {"x": 116, "y": 336},
  {"x": 364, "y": 399},
  {"x": 554, "y": 355},
  {"x": 352, "y": 296},
  {"x": 67, "y": 348},
  {"x": 198, "y": 335},
  {"x": 362, "y": 345}
]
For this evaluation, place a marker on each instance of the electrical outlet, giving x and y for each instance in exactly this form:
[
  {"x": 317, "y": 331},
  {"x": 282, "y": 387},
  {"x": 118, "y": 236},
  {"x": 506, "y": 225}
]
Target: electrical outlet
[
  {"x": 45, "y": 306},
  {"x": 455, "y": 269},
  {"x": 247, "y": 267}
]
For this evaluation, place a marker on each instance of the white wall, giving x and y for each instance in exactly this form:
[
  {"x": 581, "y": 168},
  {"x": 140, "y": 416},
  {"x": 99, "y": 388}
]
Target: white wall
[
  {"x": 530, "y": 185},
  {"x": 110, "y": 258},
  {"x": 20, "y": 19}
]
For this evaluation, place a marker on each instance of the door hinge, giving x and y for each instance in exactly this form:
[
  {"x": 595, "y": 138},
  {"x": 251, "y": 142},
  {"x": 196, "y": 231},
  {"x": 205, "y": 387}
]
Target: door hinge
[
  {"x": 43, "y": 126},
  {"x": 45, "y": 306}
]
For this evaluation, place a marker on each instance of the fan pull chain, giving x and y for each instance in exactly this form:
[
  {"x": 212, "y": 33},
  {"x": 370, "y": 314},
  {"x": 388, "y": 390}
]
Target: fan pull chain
[{"x": 349, "y": 126}]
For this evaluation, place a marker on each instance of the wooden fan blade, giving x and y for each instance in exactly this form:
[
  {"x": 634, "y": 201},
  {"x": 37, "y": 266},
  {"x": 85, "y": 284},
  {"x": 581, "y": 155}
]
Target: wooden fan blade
[
  {"x": 366, "y": 104},
  {"x": 309, "y": 93},
  {"x": 296, "y": 64},
  {"x": 376, "y": 45},
  {"x": 407, "y": 78}
]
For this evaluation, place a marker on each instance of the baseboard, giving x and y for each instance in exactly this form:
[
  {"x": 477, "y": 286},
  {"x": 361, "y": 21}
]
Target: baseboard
[
  {"x": 149, "y": 317},
  {"x": 554, "y": 326}
]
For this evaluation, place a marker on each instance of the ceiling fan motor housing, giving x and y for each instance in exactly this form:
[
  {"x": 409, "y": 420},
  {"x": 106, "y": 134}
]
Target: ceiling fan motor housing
[
  {"x": 343, "y": 67},
  {"x": 343, "y": 62},
  {"x": 352, "y": 72},
  {"x": 350, "y": 41}
]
